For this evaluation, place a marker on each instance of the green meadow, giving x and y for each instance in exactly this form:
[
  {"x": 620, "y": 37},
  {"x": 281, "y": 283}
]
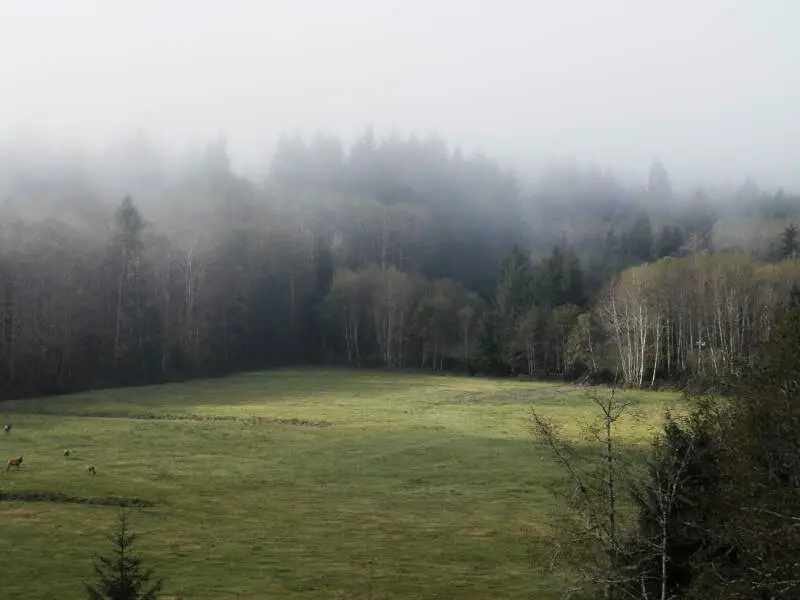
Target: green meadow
[{"x": 297, "y": 484}]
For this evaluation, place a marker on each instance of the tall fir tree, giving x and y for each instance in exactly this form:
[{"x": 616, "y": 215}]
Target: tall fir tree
[
  {"x": 127, "y": 270},
  {"x": 639, "y": 246},
  {"x": 512, "y": 298}
]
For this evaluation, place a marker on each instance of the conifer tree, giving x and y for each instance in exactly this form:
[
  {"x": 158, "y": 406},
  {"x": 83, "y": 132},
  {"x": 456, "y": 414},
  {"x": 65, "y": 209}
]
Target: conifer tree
[
  {"x": 120, "y": 575},
  {"x": 789, "y": 242}
]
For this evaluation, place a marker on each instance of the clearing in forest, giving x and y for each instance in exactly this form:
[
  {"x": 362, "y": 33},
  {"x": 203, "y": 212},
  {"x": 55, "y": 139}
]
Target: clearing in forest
[{"x": 294, "y": 484}]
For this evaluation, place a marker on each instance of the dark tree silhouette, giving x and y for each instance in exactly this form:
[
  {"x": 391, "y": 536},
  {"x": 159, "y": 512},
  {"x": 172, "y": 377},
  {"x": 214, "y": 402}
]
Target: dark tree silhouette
[
  {"x": 790, "y": 242},
  {"x": 120, "y": 575}
]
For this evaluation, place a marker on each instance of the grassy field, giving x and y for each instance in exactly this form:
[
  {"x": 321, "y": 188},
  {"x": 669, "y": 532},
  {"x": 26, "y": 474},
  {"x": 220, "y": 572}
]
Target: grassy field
[{"x": 306, "y": 484}]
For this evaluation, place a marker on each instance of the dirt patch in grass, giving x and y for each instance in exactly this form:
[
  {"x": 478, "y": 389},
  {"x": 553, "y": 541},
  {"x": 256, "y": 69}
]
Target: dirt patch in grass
[
  {"x": 149, "y": 416},
  {"x": 16, "y": 515},
  {"x": 505, "y": 397},
  {"x": 245, "y": 420},
  {"x": 64, "y": 498},
  {"x": 476, "y": 532}
]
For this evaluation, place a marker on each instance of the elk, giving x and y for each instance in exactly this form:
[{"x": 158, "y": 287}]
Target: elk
[
  {"x": 7, "y": 428},
  {"x": 66, "y": 452},
  {"x": 14, "y": 462},
  {"x": 91, "y": 470}
]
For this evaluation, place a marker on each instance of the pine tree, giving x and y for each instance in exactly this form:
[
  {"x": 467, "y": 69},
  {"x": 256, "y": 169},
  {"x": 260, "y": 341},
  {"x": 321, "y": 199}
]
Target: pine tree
[
  {"x": 789, "y": 242},
  {"x": 755, "y": 533},
  {"x": 127, "y": 258},
  {"x": 658, "y": 184},
  {"x": 511, "y": 300},
  {"x": 670, "y": 240},
  {"x": 640, "y": 240},
  {"x": 119, "y": 575}
]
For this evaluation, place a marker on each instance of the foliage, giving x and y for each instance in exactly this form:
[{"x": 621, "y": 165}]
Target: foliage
[
  {"x": 701, "y": 316},
  {"x": 120, "y": 575},
  {"x": 789, "y": 242},
  {"x": 202, "y": 272},
  {"x": 717, "y": 511},
  {"x": 675, "y": 512},
  {"x": 755, "y": 535}
]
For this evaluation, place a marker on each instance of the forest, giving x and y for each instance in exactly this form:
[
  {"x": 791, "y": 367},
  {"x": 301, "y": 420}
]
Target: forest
[{"x": 393, "y": 252}]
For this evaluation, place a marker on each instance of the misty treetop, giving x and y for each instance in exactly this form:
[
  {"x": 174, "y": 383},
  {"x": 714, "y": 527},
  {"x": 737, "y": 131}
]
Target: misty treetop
[{"x": 394, "y": 251}]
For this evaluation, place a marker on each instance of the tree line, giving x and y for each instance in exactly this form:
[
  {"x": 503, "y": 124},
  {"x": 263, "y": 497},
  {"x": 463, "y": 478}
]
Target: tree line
[
  {"x": 699, "y": 315},
  {"x": 397, "y": 252}
]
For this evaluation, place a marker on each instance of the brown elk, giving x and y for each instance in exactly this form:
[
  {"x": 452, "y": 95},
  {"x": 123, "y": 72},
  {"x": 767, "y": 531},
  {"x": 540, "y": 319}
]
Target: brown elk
[{"x": 14, "y": 462}]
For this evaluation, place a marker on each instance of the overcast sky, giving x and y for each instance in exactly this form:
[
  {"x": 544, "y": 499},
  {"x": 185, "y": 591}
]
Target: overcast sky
[{"x": 712, "y": 87}]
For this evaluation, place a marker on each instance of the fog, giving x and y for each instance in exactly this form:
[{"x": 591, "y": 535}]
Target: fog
[{"x": 710, "y": 88}]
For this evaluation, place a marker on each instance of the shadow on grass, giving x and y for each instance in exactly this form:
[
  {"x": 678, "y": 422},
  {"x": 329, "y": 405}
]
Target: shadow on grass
[{"x": 64, "y": 498}]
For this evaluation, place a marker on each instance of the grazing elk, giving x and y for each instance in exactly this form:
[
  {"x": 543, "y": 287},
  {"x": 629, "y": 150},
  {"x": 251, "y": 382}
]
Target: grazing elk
[
  {"x": 7, "y": 428},
  {"x": 91, "y": 470},
  {"x": 14, "y": 462}
]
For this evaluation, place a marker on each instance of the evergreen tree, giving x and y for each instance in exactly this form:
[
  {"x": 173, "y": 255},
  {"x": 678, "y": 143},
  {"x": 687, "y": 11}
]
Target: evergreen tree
[
  {"x": 669, "y": 242},
  {"x": 639, "y": 241},
  {"x": 698, "y": 223},
  {"x": 794, "y": 297},
  {"x": 490, "y": 344},
  {"x": 756, "y": 511},
  {"x": 120, "y": 575},
  {"x": 675, "y": 511},
  {"x": 658, "y": 184},
  {"x": 513, "y": 293},
  {"x": 323, "y": 268},
  {"x": 566, "y": 277},
  {"x": 789, "y": 242},
  {"x": 606, "y": 262},
  {"x": 130, "y": 291},
  {"x": 611, "y": 248},
  {"x": 512, "y": 299}
]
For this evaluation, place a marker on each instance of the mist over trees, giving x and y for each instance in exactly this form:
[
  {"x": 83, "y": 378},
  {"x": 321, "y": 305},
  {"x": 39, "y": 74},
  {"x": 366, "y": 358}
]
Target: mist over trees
[{"x": 138, "y": 266}]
